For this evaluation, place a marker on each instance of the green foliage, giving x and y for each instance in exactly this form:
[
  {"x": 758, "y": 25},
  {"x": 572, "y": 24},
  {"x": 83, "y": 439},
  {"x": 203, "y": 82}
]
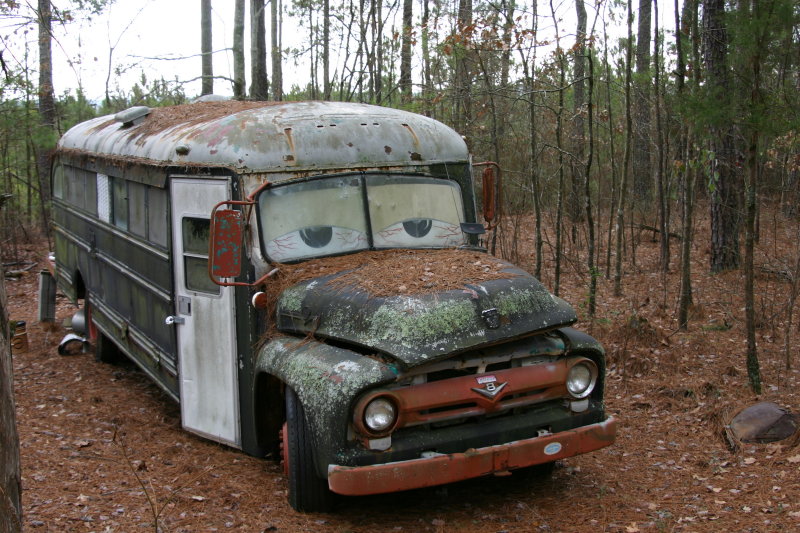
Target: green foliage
[
  {"x": 156, "y": 93},
  {"x": 73, "y": 109}
]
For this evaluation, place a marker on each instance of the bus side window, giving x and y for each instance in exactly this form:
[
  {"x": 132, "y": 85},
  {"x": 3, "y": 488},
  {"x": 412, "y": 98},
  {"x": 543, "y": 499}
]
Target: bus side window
[
  {"x": 138, "y": 209},
  {"x": 58, "y": 181},
  {"x": 91, "y": 192},
  {"x": 119, "y": 203},
  {"x": 157, "y": 212},
  {"x": 103, "y": 197}
]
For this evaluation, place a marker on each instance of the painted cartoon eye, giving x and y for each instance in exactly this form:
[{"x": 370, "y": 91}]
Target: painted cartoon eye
[
  {"x": 419, "y": 232},
  {"x": 314, "y": 241},
  {"x": 317, "y": 236},
  {"x": 418, "y": 227}
]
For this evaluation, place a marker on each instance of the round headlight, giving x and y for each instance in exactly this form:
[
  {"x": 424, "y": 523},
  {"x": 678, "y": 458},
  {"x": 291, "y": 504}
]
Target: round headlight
[
  {"x": 379, "y": 415},
  {"x": 582, "y": 378}
]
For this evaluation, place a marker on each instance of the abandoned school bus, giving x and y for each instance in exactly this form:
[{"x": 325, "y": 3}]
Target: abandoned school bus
[{"x": 307, "y": 280}]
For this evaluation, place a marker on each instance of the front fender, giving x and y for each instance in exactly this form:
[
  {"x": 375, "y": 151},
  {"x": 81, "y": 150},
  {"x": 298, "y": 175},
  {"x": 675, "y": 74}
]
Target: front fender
[
  {"x": 578, "y": 341},
  {"x": 327, "y": 379}
]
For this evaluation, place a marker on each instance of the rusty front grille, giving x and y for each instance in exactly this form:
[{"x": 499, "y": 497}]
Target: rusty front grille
[{"x": 459, "y": 394}]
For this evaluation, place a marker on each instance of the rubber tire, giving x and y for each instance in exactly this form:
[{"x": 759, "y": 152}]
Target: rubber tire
[{"x": 308, "y": 493}]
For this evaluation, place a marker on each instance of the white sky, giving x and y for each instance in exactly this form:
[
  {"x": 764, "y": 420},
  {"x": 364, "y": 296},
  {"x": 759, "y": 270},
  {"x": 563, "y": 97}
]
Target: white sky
[{"x": 142, "y": 30}]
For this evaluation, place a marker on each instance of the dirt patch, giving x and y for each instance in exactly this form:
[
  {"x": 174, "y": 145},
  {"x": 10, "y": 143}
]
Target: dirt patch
[
  {"x": 187, "y": 115},
  {"x": 399, "y": 272},
  {"x": 163, "y": 118}
]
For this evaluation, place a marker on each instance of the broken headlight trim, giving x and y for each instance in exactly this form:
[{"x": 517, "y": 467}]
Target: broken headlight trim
[
  {"x": 582, "y": 378},
  {"x": 380, "y": 415}
]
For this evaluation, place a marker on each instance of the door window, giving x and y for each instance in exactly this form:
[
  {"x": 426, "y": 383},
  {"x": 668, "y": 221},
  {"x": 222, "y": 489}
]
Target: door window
[{"x": 195, "y": 255}]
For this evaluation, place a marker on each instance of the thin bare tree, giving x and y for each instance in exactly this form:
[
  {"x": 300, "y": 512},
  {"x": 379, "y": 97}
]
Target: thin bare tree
[
  {"x": 259, "y": 83},
  {"x": 205, "y": 48},
  {"x": 239, "y": 82},
  {"x": 275, "y": 50}
]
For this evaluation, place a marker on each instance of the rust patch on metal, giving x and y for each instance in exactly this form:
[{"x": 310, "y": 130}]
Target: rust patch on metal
[
  {"x": 227, "y": 235},
  {"x": 413, "y": 134},
  {"x": 456, "y": 398},
  {"x": 290, "y": 141},
  {"x": 442, "y": 469}
]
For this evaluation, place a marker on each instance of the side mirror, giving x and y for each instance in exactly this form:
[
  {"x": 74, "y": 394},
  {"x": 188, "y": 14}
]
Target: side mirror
[
  {"x": 227, "y": 241},
  {"x": 491, "y": 187},
  {"x": 489, "y": 199},
  {"x": 227, "y": 238}
]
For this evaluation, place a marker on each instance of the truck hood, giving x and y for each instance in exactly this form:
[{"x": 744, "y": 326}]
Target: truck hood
[{"x": 415, "y": 329}]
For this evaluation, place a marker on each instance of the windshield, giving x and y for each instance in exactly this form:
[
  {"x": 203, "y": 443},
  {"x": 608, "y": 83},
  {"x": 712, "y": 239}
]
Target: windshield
[{"x": 359, "y": 212}]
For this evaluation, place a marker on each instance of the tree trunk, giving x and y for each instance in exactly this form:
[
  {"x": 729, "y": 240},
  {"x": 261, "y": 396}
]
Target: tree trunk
[
  {"x": 578, "y": 136},
  {"x": 560, "y": 54},
  {"x": 378, "y": 37},
  {"x": 612, "y": 151},
  {"x": 205, "y": 46},
  {"x": 661, "y": 181},
  {"x": 753, "y": 10},
  {"x": 326, "y": 49},
  {"x": 619, "y": 227},
  {"x": 462, "y": 116},
  {"x": 10, "y": 484},
  {"x": 508, "y": 32},
  {"x": 529, "y": 72},
  {"x": 642, "y": 171},
  {"x": 405, "y": 52},
  {"x": 587, "y": 198},
  {"x": 427, "y": 85},
  {"x": 725, "y": 180},
  {"x": 259, "y": 85},
  {"x": 277, "y": 56},
  {"x": 47, "y": 111},
  {"x": 688, "y": 171},
  {"x": 753, "y": 368},
  {"x": 239, "y": 82}
]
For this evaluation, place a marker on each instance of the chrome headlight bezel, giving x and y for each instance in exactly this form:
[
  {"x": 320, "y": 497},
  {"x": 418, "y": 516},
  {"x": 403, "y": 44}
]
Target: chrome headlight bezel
[
  {"x": 379, "y": 415},
  {"x": 581, "y": 378}
]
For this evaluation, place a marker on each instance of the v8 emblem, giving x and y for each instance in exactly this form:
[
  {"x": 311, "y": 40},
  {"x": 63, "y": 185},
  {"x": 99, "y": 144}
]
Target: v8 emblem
[{"x": 490, "y": 387}]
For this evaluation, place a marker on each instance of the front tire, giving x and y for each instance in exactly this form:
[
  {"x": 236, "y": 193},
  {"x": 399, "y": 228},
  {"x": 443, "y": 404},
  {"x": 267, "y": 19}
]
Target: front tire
[{"x": 307, "y": 491}]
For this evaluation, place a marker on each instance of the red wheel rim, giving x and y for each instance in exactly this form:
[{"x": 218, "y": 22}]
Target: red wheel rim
[
  {"x": 285, "y": 448},
  {"x": 90, "y": 327}
]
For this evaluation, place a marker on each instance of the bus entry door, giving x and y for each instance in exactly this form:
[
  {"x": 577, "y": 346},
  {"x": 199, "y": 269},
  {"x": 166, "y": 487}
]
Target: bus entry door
[{"x": 204, "y": 317}]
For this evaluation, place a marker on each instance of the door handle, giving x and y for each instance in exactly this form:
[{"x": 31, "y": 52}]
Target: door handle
[{"x": 174, "y": 320}]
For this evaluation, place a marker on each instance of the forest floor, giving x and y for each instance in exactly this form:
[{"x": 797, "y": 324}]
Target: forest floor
[{"x": 103, "y": 450}]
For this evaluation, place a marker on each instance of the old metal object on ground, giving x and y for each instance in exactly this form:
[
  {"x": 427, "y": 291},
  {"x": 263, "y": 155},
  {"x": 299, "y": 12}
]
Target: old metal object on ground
[{"x": 764, "y": 422}]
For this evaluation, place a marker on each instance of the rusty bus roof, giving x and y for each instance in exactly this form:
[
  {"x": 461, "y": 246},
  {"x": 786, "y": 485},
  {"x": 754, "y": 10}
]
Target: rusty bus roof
[{"x": 268, "y": 136}]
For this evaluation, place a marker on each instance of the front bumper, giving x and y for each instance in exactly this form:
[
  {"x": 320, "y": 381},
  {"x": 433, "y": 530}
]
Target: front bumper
[{"x": 449, "y": 468}]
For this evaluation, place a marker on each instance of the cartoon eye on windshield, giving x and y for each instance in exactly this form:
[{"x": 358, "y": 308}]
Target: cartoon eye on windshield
[
  {"x": 317, "y": 236},
  {"x": 418, "y": 227},
  {"x": 420, "y": 232},
  {"x": 315, "y": 241}
]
